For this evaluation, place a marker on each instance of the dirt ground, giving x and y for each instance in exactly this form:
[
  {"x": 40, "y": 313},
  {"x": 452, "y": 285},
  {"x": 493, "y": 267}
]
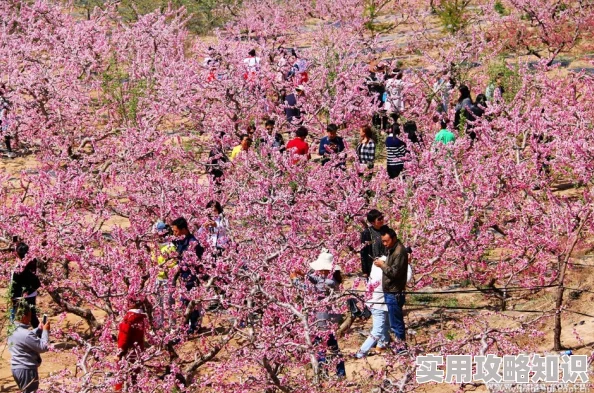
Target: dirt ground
[
  {"x": 574, "y": 326},
  {"x": 578, "y": 330}
]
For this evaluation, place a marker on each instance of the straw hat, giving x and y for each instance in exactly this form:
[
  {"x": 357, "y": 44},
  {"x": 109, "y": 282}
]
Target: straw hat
[{"x": 325, "y": 261}]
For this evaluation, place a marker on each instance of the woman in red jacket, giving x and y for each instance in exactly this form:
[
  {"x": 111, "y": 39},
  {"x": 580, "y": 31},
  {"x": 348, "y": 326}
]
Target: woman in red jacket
[{"x": 131, "y": 334}]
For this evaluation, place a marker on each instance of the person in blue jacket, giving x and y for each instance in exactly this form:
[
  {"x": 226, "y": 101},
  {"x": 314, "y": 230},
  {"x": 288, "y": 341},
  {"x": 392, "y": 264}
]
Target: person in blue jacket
[{"x": 331, "y": 143}]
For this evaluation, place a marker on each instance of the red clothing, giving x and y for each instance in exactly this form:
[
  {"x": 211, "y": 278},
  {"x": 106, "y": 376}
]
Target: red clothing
[
  {"x": 299, "y": 146},
  {"x": 301, "y": 78},
  {"x": 132, "y": 331}
]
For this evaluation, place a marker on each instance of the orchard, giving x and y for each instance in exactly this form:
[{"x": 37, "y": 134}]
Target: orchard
[{"x": 115, "y": 123}]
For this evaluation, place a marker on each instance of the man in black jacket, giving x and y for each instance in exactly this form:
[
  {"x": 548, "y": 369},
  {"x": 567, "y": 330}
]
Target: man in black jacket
[
  {"x": 25, "y": 284},
  {"x": 395, "y": 269},
  {"x": 188, "y": 271},
  {"x": 371, "y": 239},
  {"x": 293, "y": 105}
]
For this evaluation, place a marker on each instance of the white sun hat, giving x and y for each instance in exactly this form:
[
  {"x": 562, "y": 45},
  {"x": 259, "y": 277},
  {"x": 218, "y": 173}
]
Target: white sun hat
[{"x": 325, "y": 261}]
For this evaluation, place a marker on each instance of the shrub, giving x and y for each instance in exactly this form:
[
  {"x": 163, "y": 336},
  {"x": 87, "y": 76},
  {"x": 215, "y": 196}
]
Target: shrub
[{"x": 453, "y": 14}]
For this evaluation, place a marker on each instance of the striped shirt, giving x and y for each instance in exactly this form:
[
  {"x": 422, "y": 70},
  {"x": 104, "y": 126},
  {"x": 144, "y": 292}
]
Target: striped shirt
[
  {"x": 366, "y": 152},
  {"x": 396, "y": 150}
]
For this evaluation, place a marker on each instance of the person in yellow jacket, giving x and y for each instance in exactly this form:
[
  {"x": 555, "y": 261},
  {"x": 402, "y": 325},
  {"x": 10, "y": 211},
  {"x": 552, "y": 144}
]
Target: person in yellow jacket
[
  {"x": 244, "y": 146},
  {"x": 166, "y": 260}
]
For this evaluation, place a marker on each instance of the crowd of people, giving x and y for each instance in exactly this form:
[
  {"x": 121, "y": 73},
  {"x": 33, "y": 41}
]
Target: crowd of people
[
  {"x": 178, "y": 255},
  {"x": 387, "y": 86}
]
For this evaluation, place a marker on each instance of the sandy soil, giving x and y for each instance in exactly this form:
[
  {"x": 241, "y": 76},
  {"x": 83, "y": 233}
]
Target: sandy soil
[{"x": 572, "y": 324}]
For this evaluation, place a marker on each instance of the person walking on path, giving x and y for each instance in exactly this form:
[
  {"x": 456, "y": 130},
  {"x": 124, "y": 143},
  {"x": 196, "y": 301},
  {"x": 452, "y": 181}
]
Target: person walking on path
[{"x": 380, "y": 331}]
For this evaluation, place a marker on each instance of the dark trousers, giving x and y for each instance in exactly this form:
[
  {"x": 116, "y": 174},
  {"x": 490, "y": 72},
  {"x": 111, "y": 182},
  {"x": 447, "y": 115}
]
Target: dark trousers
[
  {"x": 194, "y": 317},
  {"x": 376, "y": 120},
  {"x": 7, "y": 142},
  {"x": 332, "y": 345},
  {"x": 395, "y": 302},
  {"x": 366, "y": 265},
  {"x": 190, "y": 280},
  {"x": 27, "y": 379},
  {"x": 394, "y": 170}
]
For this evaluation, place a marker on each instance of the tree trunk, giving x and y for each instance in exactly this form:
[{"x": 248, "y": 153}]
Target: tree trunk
[
  {"x": 558, "y": 304},
  {"x": 560, "y": 289}
]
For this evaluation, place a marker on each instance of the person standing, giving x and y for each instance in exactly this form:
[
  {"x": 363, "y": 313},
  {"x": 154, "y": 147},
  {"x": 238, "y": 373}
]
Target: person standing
[
  {"x": 394, "y": 104},
  {"x": 396, "y": 151},
  {"x": 411, "y": 131},
  {"x": 366, "y": 147},
  {"x": 24, "y": 284},
  {"x": 298, "y": 145},
  {"x": 477, "y": 111},
  {"x": 323, "y": 284},
  {"x": 217, "y": 227},
  {"x": 187, "y": 271},
  {"x": 464, "y": 109},
  {"x": 131, "y": 334},
  {"x": 444, "y": 135},
  {"x": 298, "y": 72},
  {"x": 330, "y": 144},
  {"x": 252, "y": 65},
  {"x": 217, "y": 160},
  {"x": 371, "y": 239},
  {"x": 292, "y": 105},
  {"x": 166, "y": 261},
  {"x": 495, "y": 89},
  {"x": 376, "y": 88},
  {"x": 380, "y": 331},
  {"x": 4, "y": 111},
  {"x": 26, "y": 347},
  {"x": 442, "y": 90},
  {"x": 278, "y": 142},
  {"x": 242, "y": 148},
  {"x": 395, "y": 272},
  {"x": 480, "y": 104}
]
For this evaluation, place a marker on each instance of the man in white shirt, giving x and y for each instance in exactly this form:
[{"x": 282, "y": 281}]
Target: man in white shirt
[{"x": 380, "y": 331}]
